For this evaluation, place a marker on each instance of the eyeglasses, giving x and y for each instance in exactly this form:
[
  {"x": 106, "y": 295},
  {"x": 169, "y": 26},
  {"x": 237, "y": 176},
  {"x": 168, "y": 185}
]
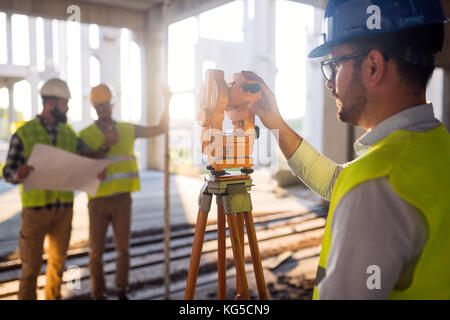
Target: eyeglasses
[{"x": 331, "y": 67}]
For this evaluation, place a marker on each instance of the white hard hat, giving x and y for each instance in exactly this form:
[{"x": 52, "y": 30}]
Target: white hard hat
[{"x": 55, "y": 88}]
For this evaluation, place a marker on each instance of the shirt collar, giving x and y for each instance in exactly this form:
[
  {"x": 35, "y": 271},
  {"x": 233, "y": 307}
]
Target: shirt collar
[{"x": 401, "y": 120}]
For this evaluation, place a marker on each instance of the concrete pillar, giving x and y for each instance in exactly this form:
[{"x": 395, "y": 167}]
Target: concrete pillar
[
  {"x": 62, "y": 32},
  {"x": 109, "y": 57},
  {"x": 33, "y": 78},
  {"x": 154, "y": 74},
  {"x": 141, "y": 144},
  {"x": 12, "y": 112},
  {"x": 85, "y": 72},
  {"x": 264, "y": 46},
  {"x": 32, "y": 43},
  {"x": 48, "y": 46},
  {"x": 313, "y": 121},
  {"x": 9, "y": 38}
]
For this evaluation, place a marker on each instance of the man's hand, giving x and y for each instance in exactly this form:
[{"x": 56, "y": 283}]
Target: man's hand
[
  {"x": 265, "y": 108},
  {"x": 153, "y": 131},
  {"x": 111, "y": 136},
  {"x": 23, "y": 172}
]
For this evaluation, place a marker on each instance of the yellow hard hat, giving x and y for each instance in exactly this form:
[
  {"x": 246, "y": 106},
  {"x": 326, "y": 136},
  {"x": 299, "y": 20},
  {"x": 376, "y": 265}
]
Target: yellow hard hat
[{"x": 100, "y": 94}]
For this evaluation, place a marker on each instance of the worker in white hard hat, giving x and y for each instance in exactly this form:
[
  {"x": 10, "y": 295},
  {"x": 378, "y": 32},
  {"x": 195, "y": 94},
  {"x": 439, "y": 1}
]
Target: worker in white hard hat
[
  {"x": 107, "y": 138},
  {"x": 45, "y": 212}
]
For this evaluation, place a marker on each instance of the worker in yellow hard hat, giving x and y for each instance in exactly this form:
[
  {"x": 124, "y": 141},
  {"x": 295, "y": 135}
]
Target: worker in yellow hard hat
[
  {"x": 45, "y": 212},
  {"x": 110, "y": 139}
]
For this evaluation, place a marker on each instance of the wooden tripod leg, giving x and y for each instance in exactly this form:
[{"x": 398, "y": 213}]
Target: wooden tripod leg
[
  {"x": 256, "y": 258},
  {"x": 238, "y": 257},
  {"x": 197, "y": 246},
  {"x": 221, "y": 253},
  {"x": 240, "y": 230}
]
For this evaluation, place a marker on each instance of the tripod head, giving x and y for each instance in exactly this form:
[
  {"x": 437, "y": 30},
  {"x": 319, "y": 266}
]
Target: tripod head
[{"x": 233, "y": 149}]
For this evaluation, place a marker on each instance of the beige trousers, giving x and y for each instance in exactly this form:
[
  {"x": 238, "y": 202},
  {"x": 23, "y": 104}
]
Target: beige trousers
[
  {"x": 36, "y": 224},
  {"x": 102, "y": 211}
]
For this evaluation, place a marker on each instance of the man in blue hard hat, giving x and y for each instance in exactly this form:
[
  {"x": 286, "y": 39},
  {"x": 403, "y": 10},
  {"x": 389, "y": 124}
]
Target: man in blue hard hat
[{"x": 387, "y": 233}]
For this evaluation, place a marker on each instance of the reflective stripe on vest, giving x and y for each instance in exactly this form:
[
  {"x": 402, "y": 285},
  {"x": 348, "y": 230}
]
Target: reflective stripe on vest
[
  {"x": 416, "y": 164},
  {"x": 31, "y": 133},
  {"x": 123, "y": 174},
  {"x": 120, "y": 176}
]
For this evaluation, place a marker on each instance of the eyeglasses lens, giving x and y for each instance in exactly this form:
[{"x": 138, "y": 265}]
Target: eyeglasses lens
[{"x": 328, "y": 71}]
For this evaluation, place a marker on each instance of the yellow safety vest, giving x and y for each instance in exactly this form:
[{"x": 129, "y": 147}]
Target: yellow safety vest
[
  {"x": 15, "y": 126},
  {"x": 417, "y": 165},
  {"x": 31, "y": 133},
  {"x": 122, "y": 175}
]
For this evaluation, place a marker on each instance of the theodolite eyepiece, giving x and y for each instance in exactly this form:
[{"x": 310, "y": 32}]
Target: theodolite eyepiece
[{"x": 253, "y": 88}]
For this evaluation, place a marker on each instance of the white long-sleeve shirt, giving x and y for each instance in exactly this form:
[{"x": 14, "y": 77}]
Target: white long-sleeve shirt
[{"x": 371, "y": 224}]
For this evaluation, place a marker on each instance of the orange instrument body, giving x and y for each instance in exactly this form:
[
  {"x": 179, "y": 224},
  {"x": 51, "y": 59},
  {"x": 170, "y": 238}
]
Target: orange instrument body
[{"x": 233, "y": 149}]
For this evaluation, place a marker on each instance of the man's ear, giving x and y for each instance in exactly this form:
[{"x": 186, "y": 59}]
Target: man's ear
[{"x": 375, "y": 68}]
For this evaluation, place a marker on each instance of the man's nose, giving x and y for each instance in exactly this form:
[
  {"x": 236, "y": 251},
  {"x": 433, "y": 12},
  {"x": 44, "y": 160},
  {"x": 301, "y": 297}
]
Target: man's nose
[{"x": 331, "y": 84}]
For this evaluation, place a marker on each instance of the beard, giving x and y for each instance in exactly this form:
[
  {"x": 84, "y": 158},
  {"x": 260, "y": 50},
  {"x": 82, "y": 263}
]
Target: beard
[
  {"x": 354, "y": 102},
  {"x": 59, "y": 116}
]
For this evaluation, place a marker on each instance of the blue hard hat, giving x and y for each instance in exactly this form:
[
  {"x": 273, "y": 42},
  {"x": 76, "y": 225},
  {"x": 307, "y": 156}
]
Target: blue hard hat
[{"x": 345, "y": 20}]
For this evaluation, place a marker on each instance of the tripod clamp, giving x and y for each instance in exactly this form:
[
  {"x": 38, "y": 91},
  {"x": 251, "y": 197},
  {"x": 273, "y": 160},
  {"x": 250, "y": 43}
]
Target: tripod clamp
[
  {"x": 204, "y": 199},
  {"x": 231, "y": 194}
]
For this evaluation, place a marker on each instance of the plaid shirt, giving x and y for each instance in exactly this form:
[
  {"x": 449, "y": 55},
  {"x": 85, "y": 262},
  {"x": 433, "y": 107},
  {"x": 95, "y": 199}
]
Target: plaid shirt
[{"x": 16, "y": 158}]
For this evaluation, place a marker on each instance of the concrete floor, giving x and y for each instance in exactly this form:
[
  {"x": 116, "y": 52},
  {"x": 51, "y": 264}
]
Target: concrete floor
[{"x": 148, "y": 205}]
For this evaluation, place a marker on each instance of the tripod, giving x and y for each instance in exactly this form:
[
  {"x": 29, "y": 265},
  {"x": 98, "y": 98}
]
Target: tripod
[{"x": 234, "y": 202}]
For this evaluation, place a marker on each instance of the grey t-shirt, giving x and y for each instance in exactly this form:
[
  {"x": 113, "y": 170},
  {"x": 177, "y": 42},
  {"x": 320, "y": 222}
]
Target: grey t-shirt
[{"x": 372, "y": 227}]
